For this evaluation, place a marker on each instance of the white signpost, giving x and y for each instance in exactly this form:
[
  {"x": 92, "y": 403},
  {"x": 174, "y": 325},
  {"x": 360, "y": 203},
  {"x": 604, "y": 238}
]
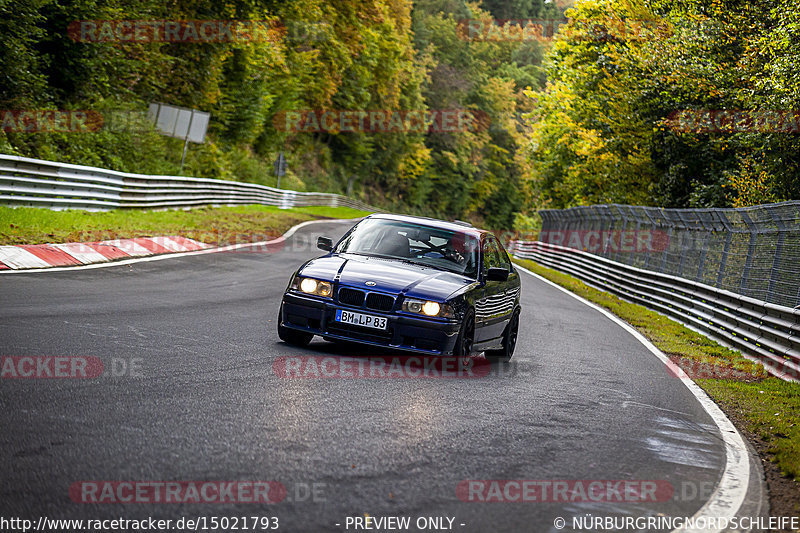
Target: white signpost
[{"x": 180, "y": 122}]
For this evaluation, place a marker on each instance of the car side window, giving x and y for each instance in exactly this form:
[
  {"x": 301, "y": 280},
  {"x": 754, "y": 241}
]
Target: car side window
[
  {"x": 504, "y": 259},
  {"x": 491, "y": 255}
]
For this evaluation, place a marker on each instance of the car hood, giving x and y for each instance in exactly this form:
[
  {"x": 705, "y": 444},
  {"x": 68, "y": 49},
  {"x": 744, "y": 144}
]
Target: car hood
[{"x": 389, "y": 275}]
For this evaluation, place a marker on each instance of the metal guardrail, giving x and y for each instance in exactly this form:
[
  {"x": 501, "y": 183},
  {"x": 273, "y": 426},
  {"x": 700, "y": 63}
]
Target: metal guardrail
[
  {"x": 753, "y": 251},
  {"x": 39, "y": 183},
  {"x": 767, "y": 332}
]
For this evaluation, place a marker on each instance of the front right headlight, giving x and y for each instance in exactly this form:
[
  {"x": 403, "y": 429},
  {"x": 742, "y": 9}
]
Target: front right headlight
[
  {"x": 313, "y": 286},
  {"x": 426, "y": 307}
]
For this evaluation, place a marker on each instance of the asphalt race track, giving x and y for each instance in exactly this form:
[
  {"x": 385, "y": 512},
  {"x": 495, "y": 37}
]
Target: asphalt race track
[{"x": 189, "y": 393}]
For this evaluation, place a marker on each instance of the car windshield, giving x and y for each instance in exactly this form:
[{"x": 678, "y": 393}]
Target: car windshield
[{"x": 454, "y": 251}]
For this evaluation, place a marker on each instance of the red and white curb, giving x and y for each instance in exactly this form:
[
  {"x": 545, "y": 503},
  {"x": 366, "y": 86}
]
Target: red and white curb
[
  {"x": 22, "y": 259},
  {"x": 84, "y": 253}
]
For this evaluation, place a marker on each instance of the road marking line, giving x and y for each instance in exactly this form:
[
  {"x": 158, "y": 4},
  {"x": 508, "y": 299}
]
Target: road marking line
[{"x": 730, "y": 493}]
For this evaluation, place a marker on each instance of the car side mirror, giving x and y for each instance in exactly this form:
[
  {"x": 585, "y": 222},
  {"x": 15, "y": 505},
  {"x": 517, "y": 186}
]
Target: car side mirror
[
  {"x": 324, "y": 243},
  {"x": 497, "y": 274}
]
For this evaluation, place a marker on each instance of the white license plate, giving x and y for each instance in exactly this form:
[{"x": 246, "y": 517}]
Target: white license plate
[{"x": 359, "y": 319}]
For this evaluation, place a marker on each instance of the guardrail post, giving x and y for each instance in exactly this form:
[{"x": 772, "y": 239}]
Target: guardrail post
[
  {"x": 557, "y": 217},
  {"x": 707, "y": 229},
  {"x": 748, "y": 261},
  {"x": 684, "y": 246},
  {"x": 566, "y": 221},
  {"x": 776, "y": 260},
  {"x": 605, "y": 218},
  {"x": 597, "y": 225},
  {"x": 583, "y": 224},
  {"x": 670, "y": 232},
  {"x": 544, "y": 215},
  {"x": 632, "y": 221},
  {"x": 619, "y": 215},
  {"x": 653, "y": 225},
  {"x": 726, "y": 249}
]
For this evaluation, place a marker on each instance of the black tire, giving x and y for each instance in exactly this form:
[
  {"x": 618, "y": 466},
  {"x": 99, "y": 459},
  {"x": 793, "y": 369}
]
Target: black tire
[
  {"x": 292, "y": 336},
  {"x": 509, "y": 342},
  {"x": 466, "y": 337}
]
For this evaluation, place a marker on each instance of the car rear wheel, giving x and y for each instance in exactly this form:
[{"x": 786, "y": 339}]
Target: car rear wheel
[
  {"x": 466, "y": 337},
  {"x": 291, "y": 336},
  {"x": 509, "y": 342}
]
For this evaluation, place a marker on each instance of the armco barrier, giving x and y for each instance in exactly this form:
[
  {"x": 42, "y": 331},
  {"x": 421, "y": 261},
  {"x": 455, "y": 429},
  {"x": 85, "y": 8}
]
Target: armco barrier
[
  {"x": 766, "y": 331},
  {"x": 753, "y": 251},
  {"x": 39, "y": 183}
]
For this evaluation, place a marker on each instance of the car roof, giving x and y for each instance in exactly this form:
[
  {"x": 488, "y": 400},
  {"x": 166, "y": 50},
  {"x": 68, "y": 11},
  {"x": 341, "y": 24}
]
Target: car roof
[{"x": 433, "y": 222}]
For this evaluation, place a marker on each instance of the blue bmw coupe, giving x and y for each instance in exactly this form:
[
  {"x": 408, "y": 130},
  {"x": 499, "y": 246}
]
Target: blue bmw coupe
[{"x": 407, "y": 283}]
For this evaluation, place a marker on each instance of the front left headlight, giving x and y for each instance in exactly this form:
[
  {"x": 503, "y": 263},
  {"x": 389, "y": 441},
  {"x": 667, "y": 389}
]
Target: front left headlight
[
  {"x": 313, "y": 286},
  {"x": 427, "y": 308}
]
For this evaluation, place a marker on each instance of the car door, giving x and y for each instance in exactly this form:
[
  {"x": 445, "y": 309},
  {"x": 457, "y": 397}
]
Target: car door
[
  {"x": 512, "y": 284},
  {"x": 493, "y": 306}
]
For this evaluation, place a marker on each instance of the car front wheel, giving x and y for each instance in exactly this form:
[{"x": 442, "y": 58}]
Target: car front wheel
[
  {"x": 466, "y": 337},
  {"x": 509, "y": 342},
  {"x": 292, "y": 336}
]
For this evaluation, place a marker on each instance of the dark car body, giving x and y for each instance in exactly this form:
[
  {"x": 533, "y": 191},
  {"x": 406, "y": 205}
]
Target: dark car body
[{"x": 384, "y": 298}]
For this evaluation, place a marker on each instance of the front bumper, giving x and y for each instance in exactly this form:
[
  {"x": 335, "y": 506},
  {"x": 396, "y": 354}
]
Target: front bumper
[{"x": 419, "y": 335}]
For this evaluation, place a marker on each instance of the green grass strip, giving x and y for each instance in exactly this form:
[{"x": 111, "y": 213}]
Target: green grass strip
[{"x": 212, "y": 225}]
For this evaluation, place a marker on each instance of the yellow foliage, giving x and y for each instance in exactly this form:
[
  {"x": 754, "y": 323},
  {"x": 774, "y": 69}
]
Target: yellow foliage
[{"x": 751, "y": 185}]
